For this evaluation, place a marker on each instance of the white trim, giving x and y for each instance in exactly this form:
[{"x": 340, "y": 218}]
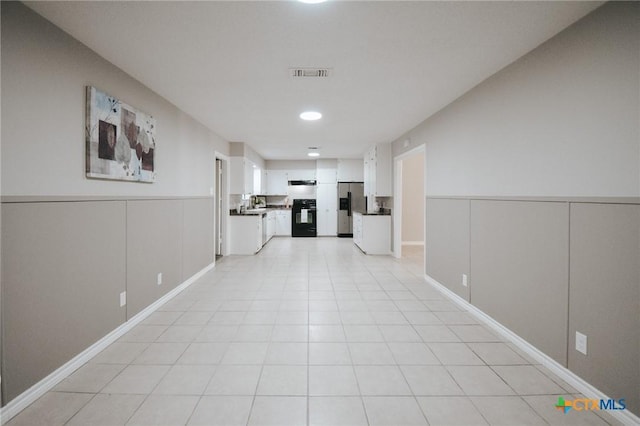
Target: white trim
[
  {"x": 413, "y": 243},
  {"x": 624, "y": 416},
  {"x": 29, "y": 396},
  {"x": 397, "y": 196}
]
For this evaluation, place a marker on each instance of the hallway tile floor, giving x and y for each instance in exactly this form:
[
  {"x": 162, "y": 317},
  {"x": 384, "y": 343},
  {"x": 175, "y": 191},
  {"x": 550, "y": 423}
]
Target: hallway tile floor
[{"x": 309, "y": 332}]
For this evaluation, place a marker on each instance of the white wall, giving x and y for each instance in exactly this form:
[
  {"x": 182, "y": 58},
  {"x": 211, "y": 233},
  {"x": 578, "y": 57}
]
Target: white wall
[
  {"x": 561, "y": 121},
  {"x": 413, "y": 198},
  {"x": 44, "y": 74}
]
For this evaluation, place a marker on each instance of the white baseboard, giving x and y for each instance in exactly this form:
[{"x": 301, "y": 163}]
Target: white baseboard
[
  {"x": 413, "y": 243},
  {"x": 29, "y": 396},
  {"x": 624, "y": 416}
]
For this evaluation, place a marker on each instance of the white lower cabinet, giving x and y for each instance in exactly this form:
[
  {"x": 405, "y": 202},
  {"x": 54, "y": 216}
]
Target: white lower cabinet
[
  {"x": 372, "y": 233},
  {"x": 283, "y": 223},
  {"x": 245, "y": 234}
]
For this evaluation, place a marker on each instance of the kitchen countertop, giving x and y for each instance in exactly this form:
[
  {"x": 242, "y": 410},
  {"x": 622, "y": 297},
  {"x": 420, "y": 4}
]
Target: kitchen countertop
[{"x": 257, "y": 212}]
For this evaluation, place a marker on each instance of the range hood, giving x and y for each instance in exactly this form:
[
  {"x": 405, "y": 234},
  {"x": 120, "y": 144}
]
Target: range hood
[{"x": 302, "y": 182}]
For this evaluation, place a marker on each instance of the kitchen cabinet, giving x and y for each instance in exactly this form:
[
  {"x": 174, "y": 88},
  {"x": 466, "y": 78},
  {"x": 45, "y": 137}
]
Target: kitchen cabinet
[
  {"x": 302, "y": 174},
  {"x": 277, "y": 182},
  {"x": 327, "y": 209},
  {"x": 283, "y": 223},
  {"x": 350, "y": 171},
  {"x": 372, "y": 233},
  {"x": 245, "y": 234},
  {"x": 378, "y": 181},
  {"x": 271, "y": 224},
  {"x": 241, "y": 175},
  {"x": 327, "y": 171}
]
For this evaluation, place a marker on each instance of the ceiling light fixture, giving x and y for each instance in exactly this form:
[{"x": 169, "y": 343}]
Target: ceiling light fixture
[
  {"x": 311, "y": 115},
  {"x": 312, "y": 1},
  {"x": 313, "y": 151}
]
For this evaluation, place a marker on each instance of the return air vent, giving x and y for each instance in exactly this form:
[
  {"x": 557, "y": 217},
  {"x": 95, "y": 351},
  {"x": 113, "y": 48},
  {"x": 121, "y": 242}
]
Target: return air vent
[{"x": 309, "y": 72}]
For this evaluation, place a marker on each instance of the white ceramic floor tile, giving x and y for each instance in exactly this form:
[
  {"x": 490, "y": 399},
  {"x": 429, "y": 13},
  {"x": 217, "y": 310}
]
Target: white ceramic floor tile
[
  {"x": 290, "y": 333},
  {"x": 164, "y": 410},
  {"x": 292, "y": 318},
  {"x": 217, "y": 333},
  {"x": 450, "y": 411},
  {"x": 185, "y": 380},
  {"x": 326, "y": 333},
  {"x": 329, "y": 354},
  {"x": 477, "y": 380},
  {"x": 260, "y": 317},
  {"x": 90, "y": 378},
  {"x": 221, "y": 411},
  {"x": 332, "y": 380},
  {"x": 356, "y": 318},
  {"x": 144, "y": 333},
  {"x": 204, "y": 353},
  {"x": 137, "y": 379},
  {"x": 161, "y": 353},
  {"x": 507, "y": 411},
  {"x": 389, "y": 318},
  {"x": 324, "y": 318},
  {"x": 428, "y": 380},
  {"x": 279, "y": 411},
  {"x": 336, "y": 411},
  {"x": 54, "y": 408},
  {"x": 527, "y": 380},
  {"x": 286, "y": 353},
  {"x": 411, "y": 353},
  {"x": 120, "y": 353},
  {"x": 399, "y": 333},
  {"x": 253, "y": 333},
  {"x": 455, "y": 354},
  {"x": 363, "y": 333},
  {"x": 234, "y": 380},
  {"x": 283, "y": 380},
  {"x": 180, "y": 333},
  {"x": 474, "y": 333},
  {"x": 381, "y": 380},
  {"x": 371, "y": 354},
  {"x": 436, "y": 333},
  {"x": 245, "y": 353},
  {"x": 497, "y": 354},
  {"x": 393, "y": 411},
  {"x": 107, "y": 410}
]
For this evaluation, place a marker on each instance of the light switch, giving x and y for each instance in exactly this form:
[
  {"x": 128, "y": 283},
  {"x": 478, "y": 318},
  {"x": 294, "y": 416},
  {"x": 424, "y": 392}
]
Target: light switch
[
  {"x": 159, "y": 278},
  {"x": 123, "y": 298},
  {"x": 464, "y": 280},
  {"x": 581, "y": 343}
]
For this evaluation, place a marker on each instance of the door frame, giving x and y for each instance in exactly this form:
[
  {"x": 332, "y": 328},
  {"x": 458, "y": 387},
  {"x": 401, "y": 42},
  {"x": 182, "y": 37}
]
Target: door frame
[
  {"x": 224, "y": 196},
  {"x": 397, "y": 199}
]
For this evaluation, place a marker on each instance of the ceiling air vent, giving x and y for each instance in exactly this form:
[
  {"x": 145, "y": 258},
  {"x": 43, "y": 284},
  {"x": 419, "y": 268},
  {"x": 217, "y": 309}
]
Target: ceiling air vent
[{"x": 309, "y": 72}]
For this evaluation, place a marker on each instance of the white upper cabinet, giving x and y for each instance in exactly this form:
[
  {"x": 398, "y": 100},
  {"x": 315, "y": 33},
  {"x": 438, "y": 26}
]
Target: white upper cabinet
[
  {"x": 277, "y": 182},
  {"x": 378, "y": 180},
  {"x": 302, "y": 174},
  {"x": 327, "y": 171},
  {"x": 241, "y": 175},
  {"x": 350, "y": 171}
]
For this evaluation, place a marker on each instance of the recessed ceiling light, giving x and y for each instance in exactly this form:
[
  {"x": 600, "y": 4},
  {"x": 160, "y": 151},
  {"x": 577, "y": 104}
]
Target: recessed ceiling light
[
  {"x": 312, "y": 1},
  {"x": 314, "y": 154},
  {"x": 311, "y": 115},
  {"x": 313, "y": 151}
]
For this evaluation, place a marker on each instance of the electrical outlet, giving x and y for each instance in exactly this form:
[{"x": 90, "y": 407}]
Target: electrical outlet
[
  {"x": 123, "y": 298},
  {"x": 581, "y": 343},
  {"x": 464, "y": 280},
  {"x": 159, "y": 278}
]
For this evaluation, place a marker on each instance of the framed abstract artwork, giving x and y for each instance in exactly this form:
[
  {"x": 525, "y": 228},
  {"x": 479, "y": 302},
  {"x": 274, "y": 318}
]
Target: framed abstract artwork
[{"x": 120, "y": 140}]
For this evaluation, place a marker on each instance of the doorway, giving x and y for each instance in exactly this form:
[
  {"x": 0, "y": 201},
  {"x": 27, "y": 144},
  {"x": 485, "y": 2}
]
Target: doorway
[
  {"x": 221, "y": 209},
  {"x": 409, "y": 207}
]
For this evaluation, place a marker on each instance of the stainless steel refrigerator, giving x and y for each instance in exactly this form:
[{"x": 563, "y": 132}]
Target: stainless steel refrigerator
[{"x": 350, "y": 199}]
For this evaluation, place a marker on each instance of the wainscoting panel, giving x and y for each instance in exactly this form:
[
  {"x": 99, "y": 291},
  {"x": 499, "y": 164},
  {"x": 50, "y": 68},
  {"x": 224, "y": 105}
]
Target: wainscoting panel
[
  {"x": 447, "y": 243},
  {"x": 519, "y": 269},
  {"x": 62, "y": 274},
  {"x": 604, "y": 298}
]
